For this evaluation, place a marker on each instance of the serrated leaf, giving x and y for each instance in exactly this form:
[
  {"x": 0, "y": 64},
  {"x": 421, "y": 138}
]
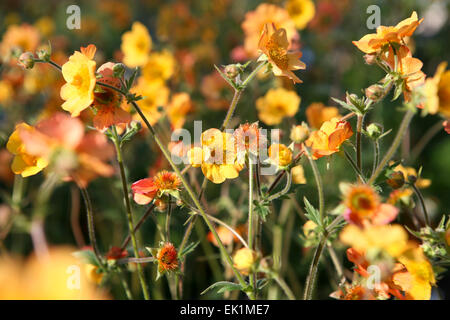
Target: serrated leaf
[
  {"x": 223, "y": 286},
  {"x": 312, "y": 213},
  {"x": 188, "y": 249}
]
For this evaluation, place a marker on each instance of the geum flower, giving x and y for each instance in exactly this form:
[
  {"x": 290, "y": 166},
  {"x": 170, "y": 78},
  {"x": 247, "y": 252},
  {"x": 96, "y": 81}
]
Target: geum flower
[
  {"x": 145, "y": 190},
  {"x": 329, "y": 138},
  {"x": 274, "y": 44},
  {"x": 407, "y": 68},
  {"x": 167, "y": 257},
  {"x": 136, "y": 45},
  {"x": 277, "y": 104},
  {"x": 249, "y": 140},
  {"x": 71, "y": 153},
  {"x": 437, "y": 91},
  {"x": 372, "y": 43},
  {"x": 363, "y": 207},
  {"x": 217, "y": 156}
]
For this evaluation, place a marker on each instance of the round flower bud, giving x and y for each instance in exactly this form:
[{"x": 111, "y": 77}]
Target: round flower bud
[
  {"x": 374, "y": 131},
  {"x": 231, "y": 71},
  {"x": 308, "y": 228},
  {"x": 26, "y": 60},
  {"x": 118, "y": 70},
  {"x": 370, "y": 58},
  {"x": 396, "y": 180},
  {"x": 298, "y": 175},
  {"x": 244, "y": 260},
  {"x": 299, "y": 133},
  {"x": 44, "y": 53},
  {"x": 375, "y": 92}
]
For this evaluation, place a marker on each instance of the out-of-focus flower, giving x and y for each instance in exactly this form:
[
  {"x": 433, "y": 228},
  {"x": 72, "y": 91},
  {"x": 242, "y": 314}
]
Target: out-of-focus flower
[
  {"x": 167, "y": 258},
  {"x": 437, "y": 91},
  {"x": 277, "y": 104},
  {"x": 180, "y": 104},
  {"x": 19, "y": 37},
  {"x": 225, "y": 235},
  {"x": 301, "y": 12},
  {"x": 214, "y": 88},
  {"x": 403, "y": 194},
  {"x": 107, "y": 101},
  {"x": 45, "y": 26},
  {"x": 118, "y": 10},
  {"x": 363, "y": 207},
  {"x": 6, "y": 92},
  {"x": 79, "y": 73},
  {"x": 176, "y": 23},
  {"x": 299, "y": 133},
  {"x": 53, "y": 276},
  {"x": 92, "y": 274},
  {"x": 244, "y": 260},
  {"x": 6, "y": 174},
  {"x": 145, "y": 190},
  {"x": 159, "y": 67},
  {"x": 446, "y": 125},
  {"x": 298, "y": 175},
  {"x": 408, "y": 67},
  {"x": 328, "y": 15},
  {"x": 373, "y": 42},
  {"x": 116, "y": 253},
  {"x": 217, "y": 156},
  {"x": 274, "y": 44},
  {"x": 280, "y": 155},
  {"x": 61, "y": 141},
  {"x": 308, "y": 228},
  {"x": 136, "y": 45},
  {"x": 354, "y": 292},
  {"x": 24, "y": 163},
  {"x": 256, "y": 20},
  {"x": 409, "y": 171},
  {"x": 329, "y": 138},
  {"x": 317, "y": 113},
  {"x": 155, "y": 98}
]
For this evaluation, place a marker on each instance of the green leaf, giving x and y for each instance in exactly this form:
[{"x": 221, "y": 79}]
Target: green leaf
[
  {"x": 223, "y": 286},
  {"x": 224, "y": 76},
  {"x": 262, "y": 209},
  {"x": 188, "y": 249},
  {"x": 87, "y": 256},
  {"x": 312, "y": 213},
  {"x": 131, "y": 79}
]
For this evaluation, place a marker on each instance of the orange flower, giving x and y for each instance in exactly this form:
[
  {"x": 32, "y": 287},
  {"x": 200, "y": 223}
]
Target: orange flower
[
  {"x": 23, "y": 37},
  {"x": 255, "y": 20},
  {"x": 179, "y": 106},
  {"x": 372, "y": 43},
  {"x": 248, "y": 139},
  {"x": 354, "y": 292},
  {"x": 274, "y": 44},
  {"x": 317, "y": 113},
  {"x": 225, "y": 235},
  {"x": 329, "y": 138},
  {"x": 61, "y": 140},
  {"x": 408, "y": 68},
  {"x": 363, "y": 207},
  {"x": 145, "y": 190},
  {"x": 107, "y": 101},
  {"x": 167, "y": 258}
]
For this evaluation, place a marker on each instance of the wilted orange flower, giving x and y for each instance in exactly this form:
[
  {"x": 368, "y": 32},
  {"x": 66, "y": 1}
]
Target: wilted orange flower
[
  {"x": 255, "y": 20},
  {"x": 217, "y": 156},
  {"x": 329, "y": 138},
  {"x": 372, "y": 43},
  {"x": 363, "y": 207},
  {"x": 277, "y": 104},
  {"x": 317, "y": 113},
  {"x": 136, "y": 45},
  {"x": 107, "y": 101},
  {"x": 145, "y": 190},
  {"x": 274, "y": 44},
  {"x": 167, "y": 258},
  {"x": 407, "y": 66},
  {"x": 61, "y": 140},
  {"x": 280, "y": 155},
  {"x": 79, "y": 73}
]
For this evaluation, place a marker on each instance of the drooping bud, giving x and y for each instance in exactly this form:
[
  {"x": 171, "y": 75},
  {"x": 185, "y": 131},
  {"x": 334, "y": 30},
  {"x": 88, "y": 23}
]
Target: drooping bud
[
  {"x": 375, "y": 92},
  {"x": 396, "y": 180},
  {"x": 26, "y": 60},
  {"x": 231, "y": 71}
]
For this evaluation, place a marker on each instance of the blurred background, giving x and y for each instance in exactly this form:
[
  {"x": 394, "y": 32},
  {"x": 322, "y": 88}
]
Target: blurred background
[{"x": 199, "y": 34}]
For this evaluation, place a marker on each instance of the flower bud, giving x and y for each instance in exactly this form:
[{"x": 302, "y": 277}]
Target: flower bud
[
  {"x": 299, "y": 133},
  {"x": 26, "y": 60},
  {"x": 298, "y": 175},
  {"x": 370, "y": 58},
  {"x": 244, "y": 260},
  {"x": 44, "y": 53},
  {"x": 118, "y": 70},
  {"x": 396, "y": 180},
  {"x": 374, "y": 131},
  {"x": 375, "y": 92},
  {"x": 308, "y": 229},
  {"x": 231, "y": 71}
]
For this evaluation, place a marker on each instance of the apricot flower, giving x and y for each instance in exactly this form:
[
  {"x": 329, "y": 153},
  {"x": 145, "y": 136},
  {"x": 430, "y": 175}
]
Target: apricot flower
[
  {"x": 145, "y": 190},
  {"x": 277, "y": 104}
]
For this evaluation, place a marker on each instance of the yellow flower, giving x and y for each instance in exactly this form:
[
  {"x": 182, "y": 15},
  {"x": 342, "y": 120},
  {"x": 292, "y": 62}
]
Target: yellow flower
[
  {"x": 160, "y": 66},
  {"x": 317, "y": 113},
  {"x": 216, "y": 156},
  {"x": 409, "y": 171},
  {"x": 92, "y": 275},
  {"x": 23, "y": 37},
  {"x": 280, "y": 155},
  {"x": 277, "y": 104},
  {"x": 417, "y": 279},
  {"x": 274, "y": 44},
  {"x": 301, "y": 12},
  {"x": 24, "y": 163},
  {"x": 136, "y": 45},
  {"x": 155, "y": 95},
  {"x": 298, "y": 175},
  {"x": 444, "y": 94},
  {"x": 431, "y": 90},
  {"x": 372, "y": 43},
  {"x": 79, "y": 74},
  {"x": 6, "y": 92},
  {"x": 390, "y": 238},
  {"x": 255, "y": 20},
  {"x": 244, "y": 260}
]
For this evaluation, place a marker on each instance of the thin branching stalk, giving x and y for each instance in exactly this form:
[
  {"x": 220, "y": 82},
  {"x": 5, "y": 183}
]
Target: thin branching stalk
[
  {"x": 318, "y": 183},
  {"x": 376, "y": 155},
  {"x": 426, "y": 138},
  {"x": 359, "y": 124},
  {"x": 312, "y": 274},
  {"x": 358, "y": 172},
  {"x": 252, "y": 275},
  {"x": 422, "y": 202},
  {"x": 138, "y": 225}
]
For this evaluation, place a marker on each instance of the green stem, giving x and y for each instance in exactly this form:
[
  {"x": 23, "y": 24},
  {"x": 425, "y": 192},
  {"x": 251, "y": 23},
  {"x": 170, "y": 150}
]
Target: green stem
[
  {"x": 312, "y": 275},
  {"x": 422, "y": 202},
  {"x": 354, "y": 166},
  {"x": 124, "y": 282},
  {"x": 376, "y": 155},
  {"x": 283, "y": 285},
  {"x": 318, "y": 183},
  {"x": 129, "y": 212},
  {"x": 394, "y": 146},
  {"x": 252, "y": 275},
  {"x": 359, "y": 124},
  {"x": 169, "y": 212}
]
